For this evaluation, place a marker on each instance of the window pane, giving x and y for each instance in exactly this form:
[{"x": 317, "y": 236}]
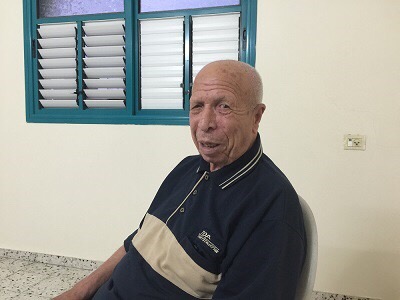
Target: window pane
[
  {"x": 104, "y": 64},
  {"x": 162, "y": 5},
  {"x": 57, "y": 8},
  {"x": 215, "y": 37},
  {"x": 57, "y": 65},
  {"x": 161, "y": 63}
]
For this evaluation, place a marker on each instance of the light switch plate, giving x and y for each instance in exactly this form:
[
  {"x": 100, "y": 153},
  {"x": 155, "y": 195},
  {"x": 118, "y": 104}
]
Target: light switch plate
[{"x": 354, "y": 142}]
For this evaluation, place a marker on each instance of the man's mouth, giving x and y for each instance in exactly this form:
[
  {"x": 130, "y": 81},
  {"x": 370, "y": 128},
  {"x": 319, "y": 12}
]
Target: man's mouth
[{"x": 208, "y": 145}]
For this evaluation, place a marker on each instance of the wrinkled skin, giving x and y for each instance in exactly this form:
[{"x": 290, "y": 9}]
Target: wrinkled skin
[{"x": 225, "y": 111}]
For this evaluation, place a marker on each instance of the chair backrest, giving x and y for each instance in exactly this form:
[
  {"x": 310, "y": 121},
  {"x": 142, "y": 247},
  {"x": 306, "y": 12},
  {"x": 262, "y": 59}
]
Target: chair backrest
[{"x": 306, "y": 282}]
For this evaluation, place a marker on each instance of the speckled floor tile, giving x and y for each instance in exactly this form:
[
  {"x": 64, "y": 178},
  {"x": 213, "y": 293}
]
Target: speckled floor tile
[
  {"x": 67, "y": 261},
  {"x": 21, "y": 281},
  {"x": 44, "y": 269},
  {"x": 6, "y": 295},
  {"x": 328, "y": 296},
  {"x": 85, "y": 264},
  {"x": 13, "y": 264},
  {"x": 53, "y": 270},
  {"x": 16, "y": 254},
  {"x": 30, "y": 297},
  {"x": 74, "y": 274},
  {"x": 51, "y": 259},
  {"x": 4, "y": 273},
  {"x": 52, "y": 286}
]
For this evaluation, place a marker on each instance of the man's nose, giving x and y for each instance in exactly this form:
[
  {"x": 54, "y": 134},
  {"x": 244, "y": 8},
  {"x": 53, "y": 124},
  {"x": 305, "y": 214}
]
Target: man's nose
[{"x": 207, "y": 119}]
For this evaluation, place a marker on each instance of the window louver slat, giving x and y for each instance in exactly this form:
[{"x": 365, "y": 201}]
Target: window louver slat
[
  {"x": 104, "y": 59},
  {"x": 156, "y": 50},
  {"x": 216, "y": 47},
  {"x": 57, "y": 30},
  {"x": 216, "y": 22},
  {"x": 99, "y": 62},
  {"x": 104, "y": 51},
  {"x": 161, "y": 82},
  {"x": 162, "y": 72},
  {"x": 58, "y": 94},
  {"x": 58, "y": 53},
  {"x": 163, "y": 103},
  {"x": 160, "y": 93},
  {"x": 58, "y": 83},
  {"x": 161, "y": 26},
  {"x": 57, "y": 65},
  {"x": 57, "y": 73},
  {"x": 105, "y": 103},
  {"x": 109, "y": 40},
  {"x": 161, "y": 39},
  {"x": 105, "y": 83},
  {"x": 162, "y": 58},
  {"x": 216, "y": 36},
  {"x": 103, "y": 28},
  {"x": 118, "y": 72},
  {"x": 69, "y": 42},
  {"x": 105, "y": 94},
  {"x": 203, "y": 59},
  {"x": 59, "y": 103}
]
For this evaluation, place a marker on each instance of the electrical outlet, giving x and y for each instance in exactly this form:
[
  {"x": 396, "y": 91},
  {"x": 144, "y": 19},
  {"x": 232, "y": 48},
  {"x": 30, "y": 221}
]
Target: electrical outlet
[{"x": 354, "y": 142}]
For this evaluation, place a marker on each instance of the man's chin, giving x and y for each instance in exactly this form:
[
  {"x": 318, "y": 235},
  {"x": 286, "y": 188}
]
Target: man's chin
[{"x": 214, "y": 162}]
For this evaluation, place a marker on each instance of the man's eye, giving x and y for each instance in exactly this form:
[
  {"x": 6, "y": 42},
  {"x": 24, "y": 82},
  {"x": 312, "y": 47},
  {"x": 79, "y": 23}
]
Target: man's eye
[
  {"x": 195, "y": 107},
  {"x": 223, "y": 108}
]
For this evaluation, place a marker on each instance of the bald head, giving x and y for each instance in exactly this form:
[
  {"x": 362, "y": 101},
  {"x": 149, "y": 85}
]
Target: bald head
[{"x": 242, "y": 76}]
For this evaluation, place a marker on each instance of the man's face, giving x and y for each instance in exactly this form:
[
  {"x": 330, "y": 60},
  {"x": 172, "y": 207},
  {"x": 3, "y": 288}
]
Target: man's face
[{"x": 223, "y": 122}]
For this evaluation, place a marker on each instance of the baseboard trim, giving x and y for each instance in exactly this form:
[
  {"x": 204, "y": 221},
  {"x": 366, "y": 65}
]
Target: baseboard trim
[
  {"x": 65, "y": 261},
  {"x": 318, "y": 295}
]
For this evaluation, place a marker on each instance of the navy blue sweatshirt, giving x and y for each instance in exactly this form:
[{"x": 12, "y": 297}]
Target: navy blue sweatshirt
[{"x": 235, "y": 233}]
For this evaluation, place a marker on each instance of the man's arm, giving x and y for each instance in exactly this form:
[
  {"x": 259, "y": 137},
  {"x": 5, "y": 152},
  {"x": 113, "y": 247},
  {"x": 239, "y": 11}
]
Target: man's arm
[
  {"x": 267, "y": 266},
  {"x": 87, "y": 287}
]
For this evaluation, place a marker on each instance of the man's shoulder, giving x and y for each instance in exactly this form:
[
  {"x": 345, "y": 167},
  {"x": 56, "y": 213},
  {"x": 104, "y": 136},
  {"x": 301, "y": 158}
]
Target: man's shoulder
[
  {"x": 191, "y": 161},
  {"x": 279, "y": 193},
  {"x": 270, "y": 174},
  {"x": 188, "y": 165}
]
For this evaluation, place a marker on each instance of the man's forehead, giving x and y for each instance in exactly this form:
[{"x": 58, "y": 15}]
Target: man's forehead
[
  {"x": 218, "y": 72},
  {"x": 215, "y": 83},
  {"x": 216, "y": 89},
  {"x": 216, "y": 98},
  {"x": 218, "y": 81}
]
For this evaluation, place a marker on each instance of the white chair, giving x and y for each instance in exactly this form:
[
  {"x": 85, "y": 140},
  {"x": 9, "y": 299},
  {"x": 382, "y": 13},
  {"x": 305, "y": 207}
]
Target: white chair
[{"x": 307, "y": 277}]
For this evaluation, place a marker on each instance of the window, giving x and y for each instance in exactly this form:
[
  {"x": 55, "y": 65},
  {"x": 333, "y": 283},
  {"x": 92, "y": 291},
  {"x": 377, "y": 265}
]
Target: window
[{"x": 124, "y": 61}]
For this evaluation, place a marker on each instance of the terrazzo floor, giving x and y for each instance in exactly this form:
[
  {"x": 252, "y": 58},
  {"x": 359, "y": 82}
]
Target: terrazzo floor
[{"x": 22, "y": 279}]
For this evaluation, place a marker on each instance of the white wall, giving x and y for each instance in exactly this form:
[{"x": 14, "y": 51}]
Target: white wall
[{"x": 329, "y": 68}]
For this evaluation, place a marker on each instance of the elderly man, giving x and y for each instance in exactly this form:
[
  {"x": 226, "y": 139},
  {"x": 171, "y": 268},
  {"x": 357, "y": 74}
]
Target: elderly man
[{"x": 226, "y": 224}]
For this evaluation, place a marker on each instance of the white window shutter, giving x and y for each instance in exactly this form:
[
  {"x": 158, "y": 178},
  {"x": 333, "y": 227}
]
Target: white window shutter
[
  {"x": 57, "y": 65},
  {"x": 104, "y": 64},
  {"x": 161, "y": 63},
  {"x": 215, "y": 37}
]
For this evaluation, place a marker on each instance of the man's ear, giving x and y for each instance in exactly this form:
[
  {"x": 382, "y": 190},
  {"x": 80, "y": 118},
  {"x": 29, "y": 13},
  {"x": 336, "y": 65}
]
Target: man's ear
[{"x": 258, "y": 112}]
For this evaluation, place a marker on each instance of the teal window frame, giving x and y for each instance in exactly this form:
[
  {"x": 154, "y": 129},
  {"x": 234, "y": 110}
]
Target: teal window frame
[{"x": 132, "y": 114}]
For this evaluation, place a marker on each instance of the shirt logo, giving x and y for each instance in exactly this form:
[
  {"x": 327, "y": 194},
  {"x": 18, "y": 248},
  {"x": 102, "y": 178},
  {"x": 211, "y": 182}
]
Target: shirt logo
[{"x": 206, "y": 238}]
